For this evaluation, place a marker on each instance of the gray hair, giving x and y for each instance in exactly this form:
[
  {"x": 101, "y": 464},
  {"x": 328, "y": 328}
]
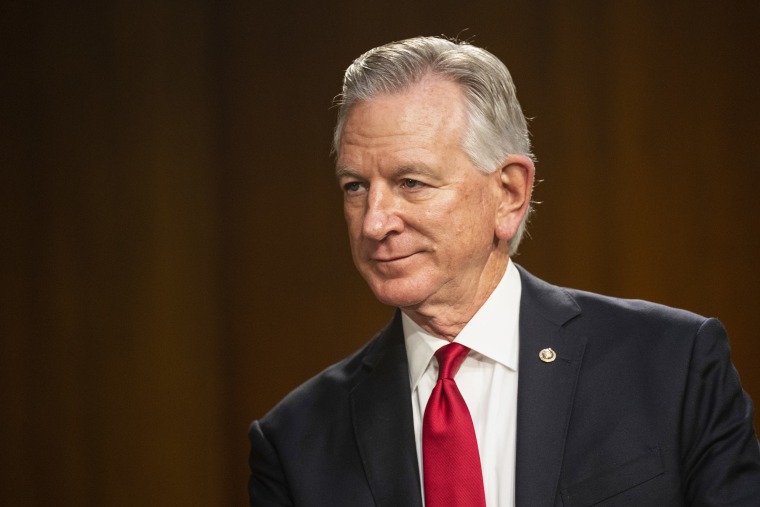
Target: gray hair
[{"x": 496, "y": 124}]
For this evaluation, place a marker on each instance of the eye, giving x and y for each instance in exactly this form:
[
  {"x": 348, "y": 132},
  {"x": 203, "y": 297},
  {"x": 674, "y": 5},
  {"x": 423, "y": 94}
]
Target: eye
[
  {"x": 352, "y": 186},
  {"x": 410, "y": 183}
]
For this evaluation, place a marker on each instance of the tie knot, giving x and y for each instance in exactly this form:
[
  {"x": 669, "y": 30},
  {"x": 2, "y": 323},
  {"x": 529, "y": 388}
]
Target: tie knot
[{"x": 450, "y": 358}]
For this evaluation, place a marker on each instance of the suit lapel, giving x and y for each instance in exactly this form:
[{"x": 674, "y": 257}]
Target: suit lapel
[
  {"x": 382, "y": 418},
  {"x": 545, "y": 389}
]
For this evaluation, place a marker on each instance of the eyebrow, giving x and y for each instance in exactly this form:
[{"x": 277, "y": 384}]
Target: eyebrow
[
  {"x": 417, "y": 169},
  {"x": 399, "y": 172},
  {"x": 346, "y": 172}
]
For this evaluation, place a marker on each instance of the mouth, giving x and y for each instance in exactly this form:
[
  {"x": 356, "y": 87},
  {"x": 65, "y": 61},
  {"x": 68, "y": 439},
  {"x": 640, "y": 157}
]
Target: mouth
[
  {"x": 392, "y": 266},
  {"x": 390, "y": 259}
]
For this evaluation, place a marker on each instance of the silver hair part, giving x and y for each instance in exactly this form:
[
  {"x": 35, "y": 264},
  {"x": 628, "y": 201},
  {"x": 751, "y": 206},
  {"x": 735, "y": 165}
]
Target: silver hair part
[{"x": 496, "y": 124}]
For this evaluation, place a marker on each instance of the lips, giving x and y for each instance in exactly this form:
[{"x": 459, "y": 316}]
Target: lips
[{"x": 392, "y": 258}]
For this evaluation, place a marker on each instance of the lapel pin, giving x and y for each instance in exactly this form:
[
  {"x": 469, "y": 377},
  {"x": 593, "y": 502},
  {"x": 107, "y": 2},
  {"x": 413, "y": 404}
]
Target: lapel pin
[{"x": 547, "y": 355}]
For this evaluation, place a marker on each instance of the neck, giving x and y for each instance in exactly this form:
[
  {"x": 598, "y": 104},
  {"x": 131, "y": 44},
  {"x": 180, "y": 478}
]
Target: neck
[{"x": 447, "y": 319}]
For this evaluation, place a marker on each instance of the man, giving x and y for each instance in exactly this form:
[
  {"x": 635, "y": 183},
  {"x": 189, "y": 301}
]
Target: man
[{"x": 617, "y": 403}]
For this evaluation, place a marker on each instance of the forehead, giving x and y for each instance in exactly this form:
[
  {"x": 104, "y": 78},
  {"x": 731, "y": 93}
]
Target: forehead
[
  {"x": 425, "y": 122},
  {"x": 427, "y": 115}
]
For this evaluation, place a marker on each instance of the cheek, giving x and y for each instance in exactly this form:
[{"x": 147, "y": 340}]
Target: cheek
[
  {"x": 473, "y": 212},
  {"x": 473, "y": 225},
  {"x": 353, "y": 219}
]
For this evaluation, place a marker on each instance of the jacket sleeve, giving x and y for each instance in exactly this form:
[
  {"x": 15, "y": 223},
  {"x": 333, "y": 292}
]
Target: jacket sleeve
[
  {"x": 719, "y": 447},
  {"x": 267, "y": 486}
]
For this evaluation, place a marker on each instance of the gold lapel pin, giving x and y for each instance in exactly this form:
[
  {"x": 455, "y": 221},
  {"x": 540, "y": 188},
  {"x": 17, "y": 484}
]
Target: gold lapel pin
[{"x": 547, "y": 355}]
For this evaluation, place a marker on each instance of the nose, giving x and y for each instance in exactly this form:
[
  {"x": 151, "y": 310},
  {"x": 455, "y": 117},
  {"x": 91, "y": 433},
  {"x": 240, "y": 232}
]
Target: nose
[{"x": 382, "y": 215}]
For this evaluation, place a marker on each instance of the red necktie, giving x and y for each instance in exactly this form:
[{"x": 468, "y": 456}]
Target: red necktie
[{"x": 450, "y": 459}]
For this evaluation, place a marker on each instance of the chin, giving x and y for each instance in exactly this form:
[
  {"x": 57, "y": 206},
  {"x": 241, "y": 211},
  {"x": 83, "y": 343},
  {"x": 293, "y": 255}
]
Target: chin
[{"x": 399, "y": 293}]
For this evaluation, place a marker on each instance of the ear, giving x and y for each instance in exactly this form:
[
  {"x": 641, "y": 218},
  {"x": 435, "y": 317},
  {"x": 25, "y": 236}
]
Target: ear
[{"x": 515, "y": 179}]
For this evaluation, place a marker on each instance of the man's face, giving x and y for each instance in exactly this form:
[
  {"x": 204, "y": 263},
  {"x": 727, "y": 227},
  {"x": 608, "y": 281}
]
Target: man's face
[{"x": 420, "y": 216}]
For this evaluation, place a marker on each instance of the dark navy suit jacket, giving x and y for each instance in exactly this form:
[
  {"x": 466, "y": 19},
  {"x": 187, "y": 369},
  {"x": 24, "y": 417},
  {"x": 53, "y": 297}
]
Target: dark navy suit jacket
[{"x": 642, "y": 407}]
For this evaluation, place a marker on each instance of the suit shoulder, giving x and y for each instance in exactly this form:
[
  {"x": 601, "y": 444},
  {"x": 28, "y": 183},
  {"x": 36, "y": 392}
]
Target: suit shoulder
[
  {"x": 659, "y": 328},
  {"x": 327, "y": 390},
  {"x": 636, "y": 309},
  {"x": 562, "y": 305}
]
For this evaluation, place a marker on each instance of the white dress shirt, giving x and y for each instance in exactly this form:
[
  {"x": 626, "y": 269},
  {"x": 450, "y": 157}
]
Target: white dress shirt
[{"x": 487, "y": 380}]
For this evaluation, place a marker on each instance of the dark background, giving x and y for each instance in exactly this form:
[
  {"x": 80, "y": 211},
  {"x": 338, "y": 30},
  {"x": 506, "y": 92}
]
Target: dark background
[{"x": 174, "y": 257}]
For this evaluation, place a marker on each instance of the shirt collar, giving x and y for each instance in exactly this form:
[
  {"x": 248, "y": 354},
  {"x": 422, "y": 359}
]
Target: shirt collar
[{"x": 492, "y": 331}]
